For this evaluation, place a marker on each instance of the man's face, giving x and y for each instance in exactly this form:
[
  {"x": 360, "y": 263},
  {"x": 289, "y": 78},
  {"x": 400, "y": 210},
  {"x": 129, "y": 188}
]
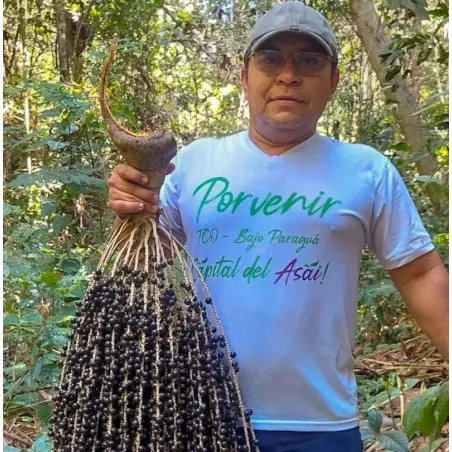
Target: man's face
[{"x": 269, "y": 94}]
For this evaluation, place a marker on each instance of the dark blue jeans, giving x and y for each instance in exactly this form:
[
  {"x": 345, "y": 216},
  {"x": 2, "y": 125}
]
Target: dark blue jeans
[{"x": 341, "y": 441}]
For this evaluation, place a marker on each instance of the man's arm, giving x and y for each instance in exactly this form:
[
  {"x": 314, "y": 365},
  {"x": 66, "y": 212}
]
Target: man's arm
[{"x": 424, "y": 286}]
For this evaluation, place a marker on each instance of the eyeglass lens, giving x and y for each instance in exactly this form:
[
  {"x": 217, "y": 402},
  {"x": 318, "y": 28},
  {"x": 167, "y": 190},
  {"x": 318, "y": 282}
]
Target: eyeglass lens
[{"x": 304, "y": 62}]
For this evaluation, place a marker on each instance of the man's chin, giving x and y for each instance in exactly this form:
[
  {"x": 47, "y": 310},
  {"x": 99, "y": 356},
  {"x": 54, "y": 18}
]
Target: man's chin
[
  {"x": 285, "y": 121},
  {"x": 284, "y": 129}
]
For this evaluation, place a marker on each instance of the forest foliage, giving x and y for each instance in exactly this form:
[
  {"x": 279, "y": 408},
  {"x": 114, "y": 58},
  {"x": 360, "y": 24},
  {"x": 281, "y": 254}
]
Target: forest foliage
[{"x": 179, "y": 68}]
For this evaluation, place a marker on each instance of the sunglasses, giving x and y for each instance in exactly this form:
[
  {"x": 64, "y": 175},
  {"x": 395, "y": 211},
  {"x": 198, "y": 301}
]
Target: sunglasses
[{"x": 306, "y": 63}]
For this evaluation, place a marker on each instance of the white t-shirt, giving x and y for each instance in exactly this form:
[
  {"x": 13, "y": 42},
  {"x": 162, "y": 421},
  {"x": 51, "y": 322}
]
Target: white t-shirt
[{"x": 279, "y": 241}]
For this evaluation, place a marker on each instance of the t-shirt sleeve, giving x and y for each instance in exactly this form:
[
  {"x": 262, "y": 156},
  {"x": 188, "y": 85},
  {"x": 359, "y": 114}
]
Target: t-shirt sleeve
[
  {"x": 169, "y": 202},
  {"x": 397, "y": 234}
]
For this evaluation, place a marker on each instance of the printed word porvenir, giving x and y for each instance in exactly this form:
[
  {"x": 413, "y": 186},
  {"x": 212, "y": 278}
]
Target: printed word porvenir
[{"x": 215, "y": 191}]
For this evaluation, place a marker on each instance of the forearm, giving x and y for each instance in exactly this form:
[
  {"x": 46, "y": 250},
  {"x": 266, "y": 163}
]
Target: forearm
[{"x": 427, "y": 298}]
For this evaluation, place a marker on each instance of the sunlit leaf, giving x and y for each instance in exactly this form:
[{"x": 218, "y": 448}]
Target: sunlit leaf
[
  {"x": 57, "y": 145},
  {"x": 50, "y": 277}
]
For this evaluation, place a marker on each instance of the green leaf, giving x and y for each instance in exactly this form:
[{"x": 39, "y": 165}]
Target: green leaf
[
  {"x": 60, "y": 222},
  {"x": 411, "y": 382},
  {"x": 383, "y": 288},
  {"x": 70, "y": 266},
  {"x": 382, "y": 397},
  {"x": 43, "y": 411},
  {"x": 380, "y": 314},
  {"x": 32, "y": 318},
  {"x": 50, "y": 113},
  {"x": 442, "y": 407},
  {"x": 424, "y": 54},
  {"x": 442, "y": 10},
  {"x": 16, "y": 368},
  {"x": 434, "y": 446},
  {"x": 42, "y": 444},
  {"x": 23, "y": 145},
  {"x": 394, "y": 4},
  {"x": 401, "y": 146},
  {"x": 366, "y": 434},
  {"x": 48, "y": 207},
  {"x": 9, "y": 209},
  {"x": 419, "y": 415},
  {"x": 375, "y": 419},
  {"x": 37, "y": 369},
  {"x": 417, "y": 6},
  {"x": 10, "y": 319},
  {"x": 66, "y": 319},
  {"x": 394, "y": 441},
  {"x": 6, "y": 271},
  {"x": 428, "y": 180},
  {"x": 57, "y": 145},
  {"x": 50, "y": 277},
  {"x": 77, "y": 292},
  {"x": 80, "y": 177},
  {"x": 26, "y": 399},
  {"x": 427, "y": 417},
  {"x": 67, "y": 129},
  {"x": 183, "y": 15},
  {"x": 411, "y": 418},
  {"x": 392, "y": 73}
]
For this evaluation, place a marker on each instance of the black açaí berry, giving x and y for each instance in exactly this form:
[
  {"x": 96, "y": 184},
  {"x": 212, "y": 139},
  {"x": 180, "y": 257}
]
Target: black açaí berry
[{"x": 144, "y": 368}]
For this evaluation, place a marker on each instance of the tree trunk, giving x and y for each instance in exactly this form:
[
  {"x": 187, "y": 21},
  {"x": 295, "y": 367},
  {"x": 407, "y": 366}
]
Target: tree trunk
[
  {"x": 63, "y": 60},
  {"x": 23, "y": 19},
  {"x": 232, "y": 8},
  {"x": 370, "y": 31},
  {"x": 366, "y": 91}
]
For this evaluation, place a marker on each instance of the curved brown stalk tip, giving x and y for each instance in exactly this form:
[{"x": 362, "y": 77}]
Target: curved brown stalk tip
[{"x": 144, "y": 152}]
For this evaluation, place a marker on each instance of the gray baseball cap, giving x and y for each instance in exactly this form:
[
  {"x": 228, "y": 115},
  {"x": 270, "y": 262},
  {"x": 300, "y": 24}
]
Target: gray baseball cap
[{"x": 296, "y": 17}]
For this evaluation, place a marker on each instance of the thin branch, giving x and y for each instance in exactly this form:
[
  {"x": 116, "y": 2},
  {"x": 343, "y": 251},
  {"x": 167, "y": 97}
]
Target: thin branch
[
  {"x": 24, "y": 441},
  {"x": 88, "y": 141},
  {"x": 146, "y": 80}
]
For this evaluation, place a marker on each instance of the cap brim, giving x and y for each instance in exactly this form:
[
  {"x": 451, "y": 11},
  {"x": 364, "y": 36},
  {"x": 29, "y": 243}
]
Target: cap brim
[{"x": 256, "y": 44}]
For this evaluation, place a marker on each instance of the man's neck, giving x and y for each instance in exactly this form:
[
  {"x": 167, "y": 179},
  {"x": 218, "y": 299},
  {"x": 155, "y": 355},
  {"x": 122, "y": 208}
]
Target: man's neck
[{"x": 273, "y": 147}]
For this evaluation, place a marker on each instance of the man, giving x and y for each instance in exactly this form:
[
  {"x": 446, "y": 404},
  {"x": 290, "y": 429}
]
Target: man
[{"x": 277, "y": 218}]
